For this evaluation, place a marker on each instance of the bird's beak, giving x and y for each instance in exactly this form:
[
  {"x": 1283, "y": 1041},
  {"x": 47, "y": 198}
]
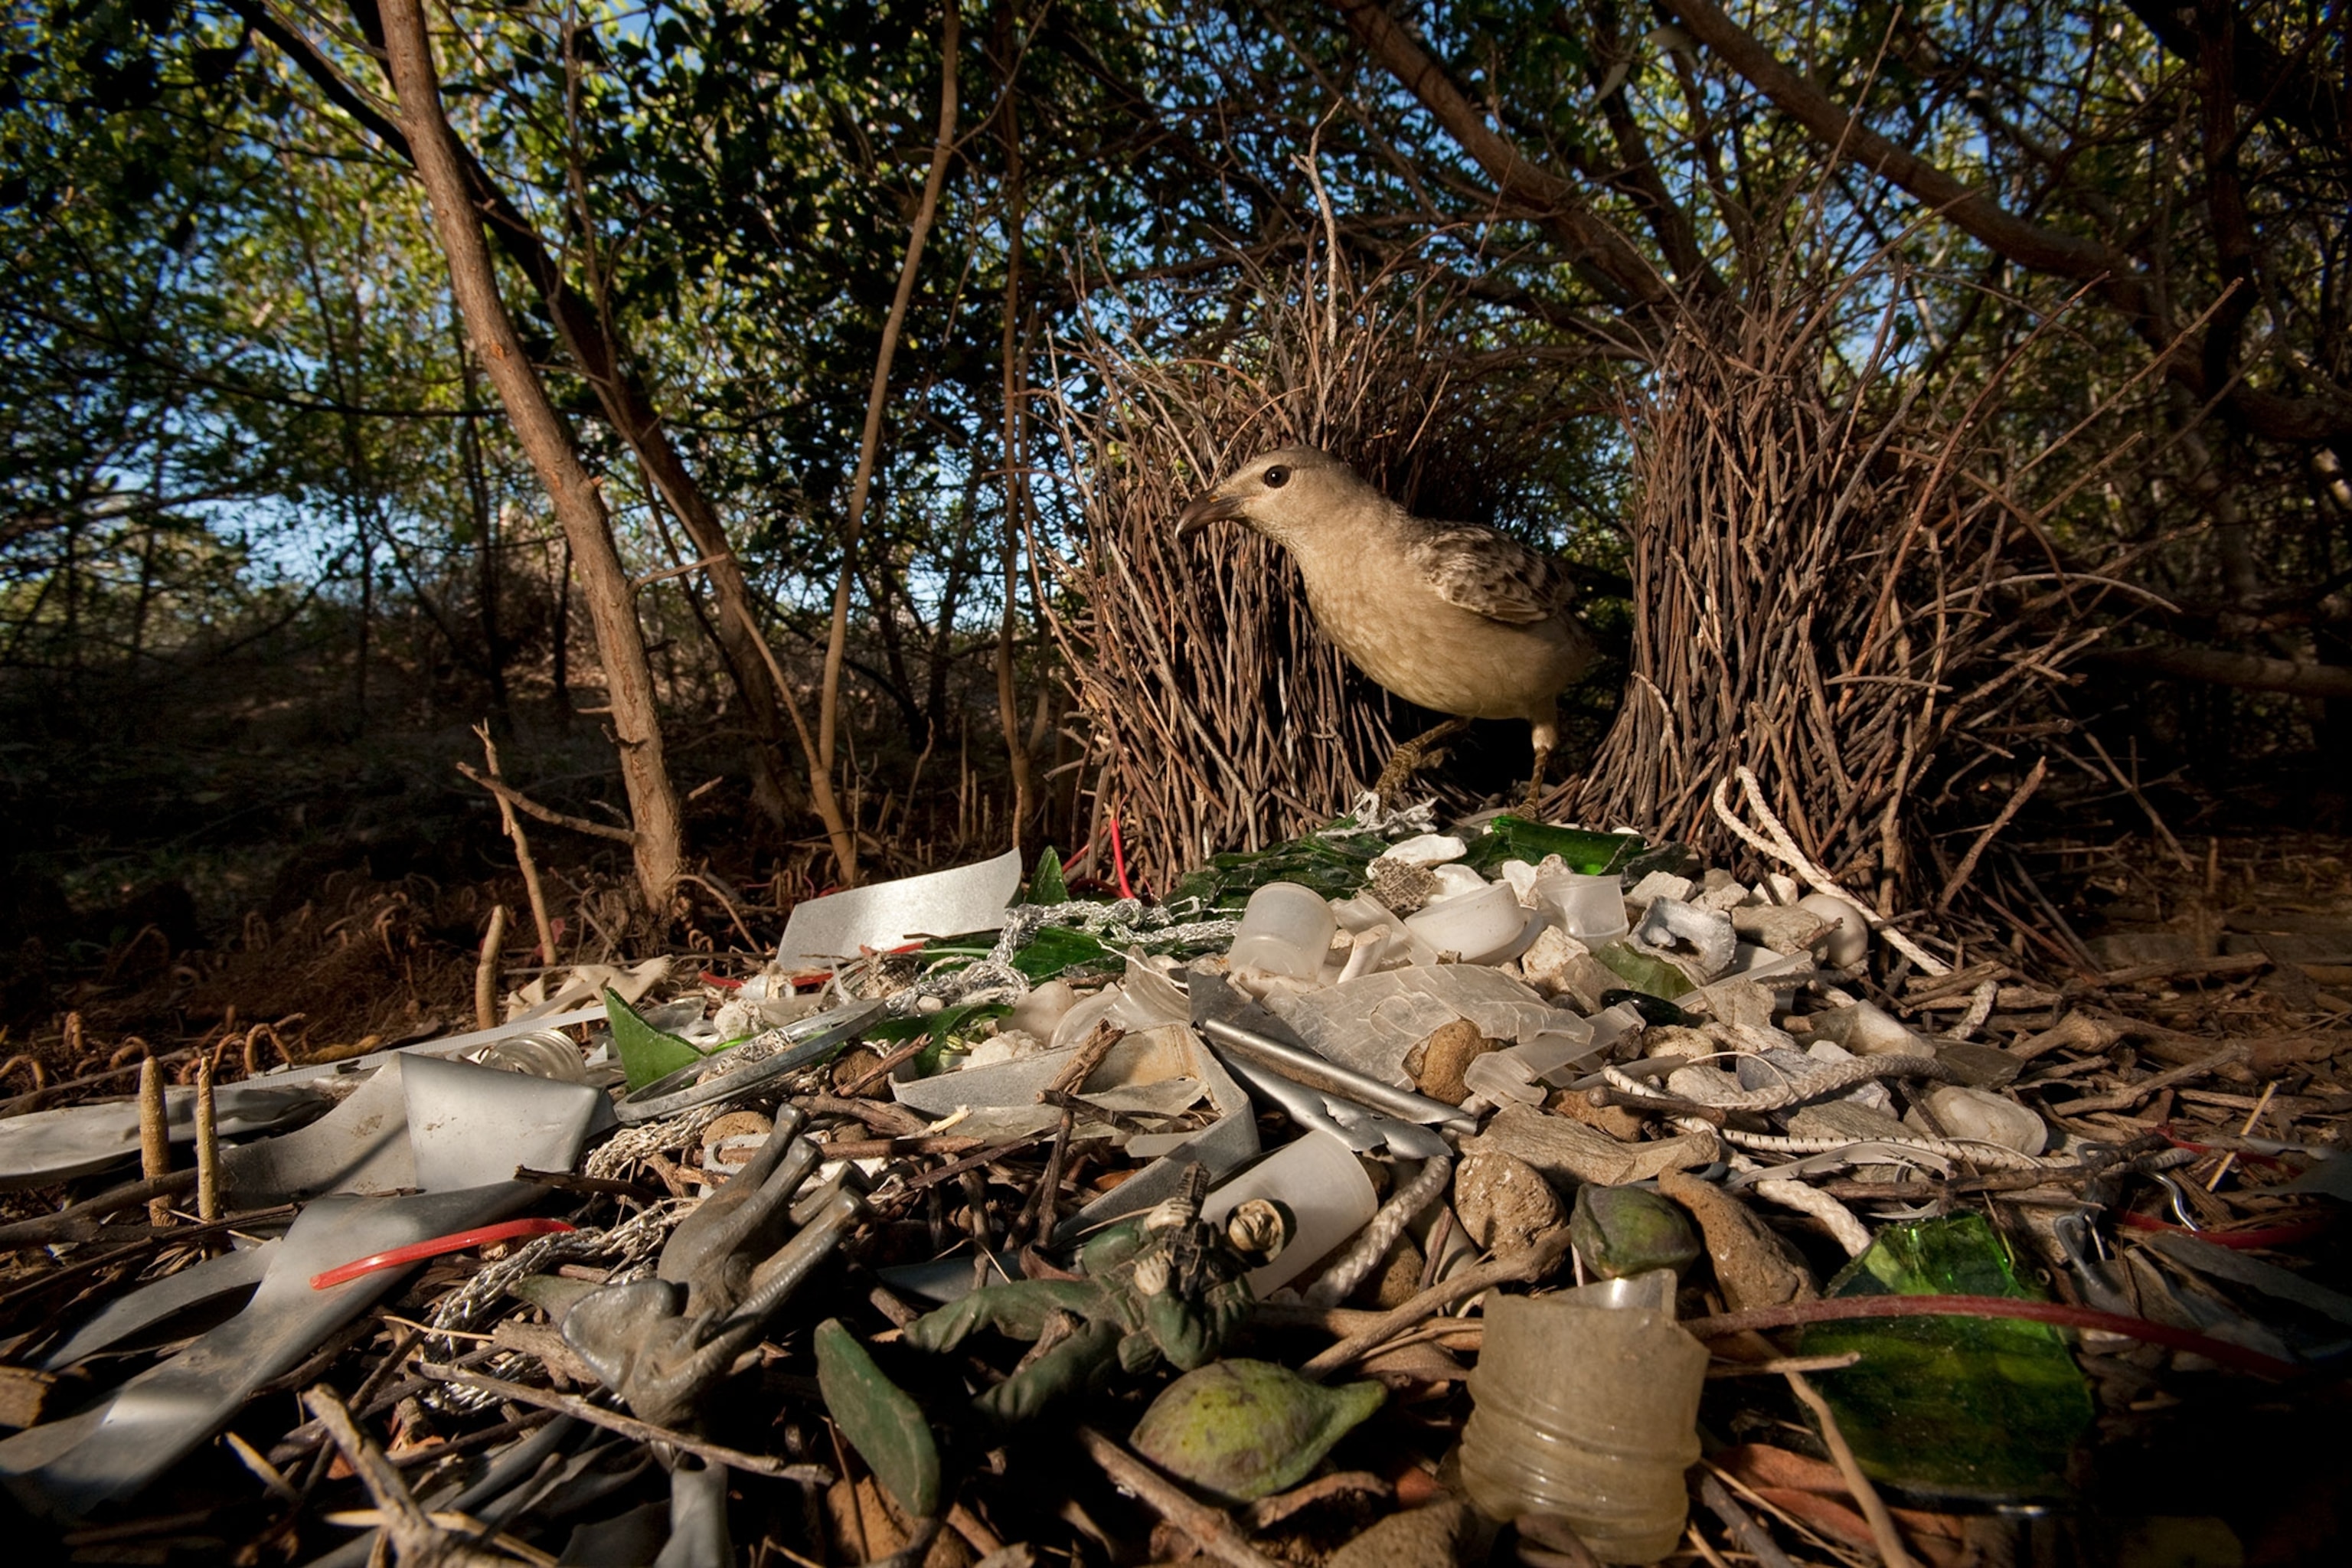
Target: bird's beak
[{"x": 1211, "y": 506}]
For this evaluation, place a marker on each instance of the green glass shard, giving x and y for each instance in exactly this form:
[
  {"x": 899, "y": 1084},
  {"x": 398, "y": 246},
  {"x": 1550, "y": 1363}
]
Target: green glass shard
[
  {"x": 1332, "y": 862},
  {"x": 1979, "y": 1408},
  {"x": 886, "y": 1426},
  {"x": 646, "y": 1052},
  {"x": 1586, "y": 854},
  {"x": 1651, "y": 975}
]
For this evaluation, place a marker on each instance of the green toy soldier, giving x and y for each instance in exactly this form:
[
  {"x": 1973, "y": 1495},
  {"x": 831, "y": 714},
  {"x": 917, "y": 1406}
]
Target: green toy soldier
[{"x": 1166, "y": 1285}]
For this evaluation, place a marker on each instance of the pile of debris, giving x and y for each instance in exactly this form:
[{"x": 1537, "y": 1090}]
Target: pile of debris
[{"x": 1505, "y": 1192}]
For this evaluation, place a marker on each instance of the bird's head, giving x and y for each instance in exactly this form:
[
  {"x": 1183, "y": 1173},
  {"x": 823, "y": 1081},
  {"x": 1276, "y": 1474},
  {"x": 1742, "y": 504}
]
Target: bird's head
[{"x": 1282, "y": 494}]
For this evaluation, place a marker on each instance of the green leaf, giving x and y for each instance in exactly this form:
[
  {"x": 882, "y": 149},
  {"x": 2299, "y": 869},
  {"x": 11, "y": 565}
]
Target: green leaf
[
  {"x": 646, "y": 1052},
  {"x": 887, "y": 1428},
  {"x": 1046, "y": 885}
]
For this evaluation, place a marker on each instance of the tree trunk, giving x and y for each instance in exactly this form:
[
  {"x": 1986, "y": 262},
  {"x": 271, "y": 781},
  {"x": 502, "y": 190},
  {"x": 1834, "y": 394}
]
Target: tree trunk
[
  {"x": 1016, "y": 479},
  {"x": 619, "y": 642},
  {"x": 838, "y": 826}
]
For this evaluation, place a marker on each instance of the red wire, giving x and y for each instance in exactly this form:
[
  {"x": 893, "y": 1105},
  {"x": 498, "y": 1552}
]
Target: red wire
[
  {"x": 2268, "y": 1235},
  {"x": 1845, "y": 1308},
  {"x": 417, "y": 1251},
  {"x": 1118, "y": 857}
]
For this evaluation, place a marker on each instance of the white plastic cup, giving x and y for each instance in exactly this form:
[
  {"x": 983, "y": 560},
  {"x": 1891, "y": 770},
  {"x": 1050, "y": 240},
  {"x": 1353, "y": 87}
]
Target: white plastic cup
[
  {"x": 1587, "y": 1408},
  {"x": 1484, "y": 927},
  {"x": 1589, "y": 908},
  {"x": 1330, "y": 1199},
  {"x": 1286, "y": 929}
]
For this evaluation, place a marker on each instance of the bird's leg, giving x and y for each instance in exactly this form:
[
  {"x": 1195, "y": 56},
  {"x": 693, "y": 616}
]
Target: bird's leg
[
  {"x": 1544, "y": 731},
  {"x": 1419, "y": 753},
  {"x": 1534, "y": 806}
]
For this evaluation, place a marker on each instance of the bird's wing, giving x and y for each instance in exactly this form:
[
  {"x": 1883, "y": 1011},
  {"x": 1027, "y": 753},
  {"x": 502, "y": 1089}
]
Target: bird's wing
[{"x": 1492, "y": 574}]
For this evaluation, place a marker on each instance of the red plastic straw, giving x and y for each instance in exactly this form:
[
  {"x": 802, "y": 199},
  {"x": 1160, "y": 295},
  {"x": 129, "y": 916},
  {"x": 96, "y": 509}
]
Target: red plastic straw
[
  {"x": 1119, "y": 858},
  {"x": 416, "y": 1252},
  {"x": 1847, "y": 1308}
]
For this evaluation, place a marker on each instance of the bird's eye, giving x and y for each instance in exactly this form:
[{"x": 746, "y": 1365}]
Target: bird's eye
[{"x": 1276, "y": 477}]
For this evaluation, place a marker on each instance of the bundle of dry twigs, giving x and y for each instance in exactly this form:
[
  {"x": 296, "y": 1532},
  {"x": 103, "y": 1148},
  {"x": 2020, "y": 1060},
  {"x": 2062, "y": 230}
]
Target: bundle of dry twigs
[
  {"x": 1225, "y": 718},
  {"x": 1835, "y": 585}
]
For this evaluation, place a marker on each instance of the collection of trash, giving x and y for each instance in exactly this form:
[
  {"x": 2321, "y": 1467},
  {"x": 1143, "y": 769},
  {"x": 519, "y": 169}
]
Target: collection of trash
[{"x": 1394, "y": 1196}]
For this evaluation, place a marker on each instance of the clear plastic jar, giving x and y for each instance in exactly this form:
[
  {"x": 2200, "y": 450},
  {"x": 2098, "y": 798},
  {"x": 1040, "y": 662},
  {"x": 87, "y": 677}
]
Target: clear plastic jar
[
  {"x": 1587, "y": 1408},
  {"x": 544, "y": 1053}
]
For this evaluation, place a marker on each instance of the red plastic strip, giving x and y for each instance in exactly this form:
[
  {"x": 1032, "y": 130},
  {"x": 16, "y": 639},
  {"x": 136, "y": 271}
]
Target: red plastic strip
[
  {"x": 722, "y": 982},
  {"x": 2248, "y": 1155},
  {"x": 417, "y": 1251},
  {"x": 1118, "y": 857},
  {"x": 2268, "y": 1235},
  {"x": 1847, "y": 1308}
]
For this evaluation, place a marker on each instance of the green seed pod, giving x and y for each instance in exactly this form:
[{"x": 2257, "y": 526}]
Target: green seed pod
[
  {"x": 1627, "y": 1231},
  {"x": 1247, "y": 1429}
]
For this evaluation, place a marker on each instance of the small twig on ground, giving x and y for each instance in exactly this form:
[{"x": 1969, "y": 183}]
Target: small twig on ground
[
  {"x": 1071, "y": 1078},
  {"x": 1751, "y": 1537},
  {"x": 1534, "y": 1263},
  {"x": 417, "y": 1539},
  {"x": 1874, "y": 1507},
  {"x": 628, "y": 1425},
  {"x": 486, "y": 971},
  {"x": 1966, "y": 868}
]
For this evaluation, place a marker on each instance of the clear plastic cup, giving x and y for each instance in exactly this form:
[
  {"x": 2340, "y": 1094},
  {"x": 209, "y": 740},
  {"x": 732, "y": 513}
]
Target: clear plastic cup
[
  {"x": 1587, "y": 1408},
  {"x": 1589, "y": 908}
]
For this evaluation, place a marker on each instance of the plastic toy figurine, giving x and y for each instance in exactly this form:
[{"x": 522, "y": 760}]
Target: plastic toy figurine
[{"x": 1164, "y": 1286}]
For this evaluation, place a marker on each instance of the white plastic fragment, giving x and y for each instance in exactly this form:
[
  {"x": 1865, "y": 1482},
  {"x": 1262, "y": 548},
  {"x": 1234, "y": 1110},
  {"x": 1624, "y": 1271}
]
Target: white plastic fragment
[
  {"x": 1037, "y": 1013},
  {"x": 1428, "y": 849},
  {"x": 1329, "y": 1196},
  {"x": 1453, "y": 881},
  {"x": 823, "y": 931}
]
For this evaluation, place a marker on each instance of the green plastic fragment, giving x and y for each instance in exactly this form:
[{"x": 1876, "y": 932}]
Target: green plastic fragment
[
  {"x": 1046, "y": 885},
  {"x": 1645, "y": 973},
  {"x": 646, "y": 1052},
  {"x": 1509, "y": 838},
  {"x": 886, "y": 1426},
  {"x": 1247, "y": 1429},
  {"x": 1057, "y": 950},
  {"x": 1984, "y": 1409}
]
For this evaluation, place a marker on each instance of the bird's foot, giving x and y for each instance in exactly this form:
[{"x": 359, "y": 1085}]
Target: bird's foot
[
  {"x": 1425, "y": 750},
  {"x": 1531, "y": 803}
]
